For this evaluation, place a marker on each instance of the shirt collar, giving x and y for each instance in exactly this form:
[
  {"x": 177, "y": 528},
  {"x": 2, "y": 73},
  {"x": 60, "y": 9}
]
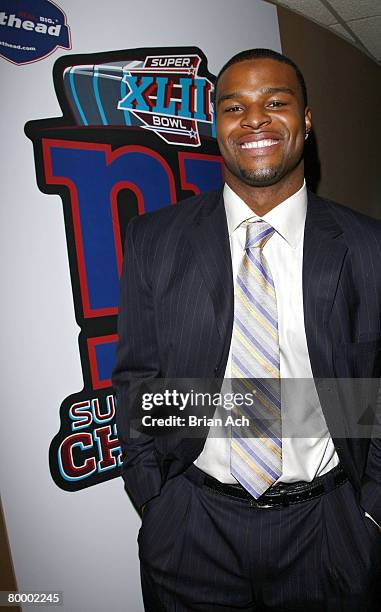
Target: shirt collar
[{"x": 287, "y": 219}]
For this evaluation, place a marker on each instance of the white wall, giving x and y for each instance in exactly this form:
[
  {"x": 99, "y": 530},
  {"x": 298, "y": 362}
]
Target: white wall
[{"x": 83, "y": 543}]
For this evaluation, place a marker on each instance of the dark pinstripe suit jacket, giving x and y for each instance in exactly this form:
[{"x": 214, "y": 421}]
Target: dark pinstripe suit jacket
[{"x": 176, "y": 317}]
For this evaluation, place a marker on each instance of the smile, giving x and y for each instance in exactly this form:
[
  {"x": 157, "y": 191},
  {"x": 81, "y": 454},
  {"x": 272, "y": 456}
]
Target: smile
[{"x": 259, "y": 144}]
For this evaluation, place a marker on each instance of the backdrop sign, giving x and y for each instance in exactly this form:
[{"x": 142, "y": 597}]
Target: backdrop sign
[
  {"x": 31, "y": 30},
  {"x": 137, "y": 134}
]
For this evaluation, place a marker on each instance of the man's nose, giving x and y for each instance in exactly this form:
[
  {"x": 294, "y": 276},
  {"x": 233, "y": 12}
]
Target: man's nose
[{"x": 255, "y": 117}]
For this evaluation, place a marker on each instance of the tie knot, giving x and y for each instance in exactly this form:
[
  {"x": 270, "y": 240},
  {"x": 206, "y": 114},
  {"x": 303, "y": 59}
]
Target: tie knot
[{"x": 257, "y": 233}]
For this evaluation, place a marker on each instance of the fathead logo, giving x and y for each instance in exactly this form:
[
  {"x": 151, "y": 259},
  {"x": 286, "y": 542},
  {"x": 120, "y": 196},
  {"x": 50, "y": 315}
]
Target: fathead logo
[
  {"x": 31, "y": 30},
  {"x": 108, "y": 165},
  {"x": 16, "y": 22},
  {"x": 164, "y": 94}
]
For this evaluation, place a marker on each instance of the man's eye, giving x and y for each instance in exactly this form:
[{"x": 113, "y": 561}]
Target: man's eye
[
  {"x": 276, "y": 104},
  {"x": 233, "y": 109}
]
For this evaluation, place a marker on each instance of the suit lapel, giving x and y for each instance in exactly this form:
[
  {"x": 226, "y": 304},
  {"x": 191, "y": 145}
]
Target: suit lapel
[
  {"x": 209, "y": 240},
  {"x": 323, "y": 256}
]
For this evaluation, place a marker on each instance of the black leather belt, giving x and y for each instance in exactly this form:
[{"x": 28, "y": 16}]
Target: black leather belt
[{"x": 282, "y": 494}]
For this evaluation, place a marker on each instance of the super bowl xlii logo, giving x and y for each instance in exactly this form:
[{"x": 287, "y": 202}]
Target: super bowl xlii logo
[{"x": 137, "y": 134}]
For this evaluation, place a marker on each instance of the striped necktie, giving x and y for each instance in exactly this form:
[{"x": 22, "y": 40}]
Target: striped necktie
[{"x": 256, "y": 450}]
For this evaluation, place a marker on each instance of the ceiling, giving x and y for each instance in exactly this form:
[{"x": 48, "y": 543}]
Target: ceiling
[{"x": 358, "y": 21}]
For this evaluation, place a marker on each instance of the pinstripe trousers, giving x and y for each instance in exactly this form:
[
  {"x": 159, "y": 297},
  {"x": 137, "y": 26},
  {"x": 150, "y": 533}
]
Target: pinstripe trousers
[{"x": 207, "y": 552}]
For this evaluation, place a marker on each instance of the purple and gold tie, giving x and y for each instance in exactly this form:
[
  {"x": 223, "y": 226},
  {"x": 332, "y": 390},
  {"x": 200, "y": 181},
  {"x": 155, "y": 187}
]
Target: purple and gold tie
[{"x": 256, "y": 450}]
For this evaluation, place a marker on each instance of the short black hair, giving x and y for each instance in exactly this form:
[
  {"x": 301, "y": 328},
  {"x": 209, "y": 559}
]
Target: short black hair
[{"x": 259, "y": 53}]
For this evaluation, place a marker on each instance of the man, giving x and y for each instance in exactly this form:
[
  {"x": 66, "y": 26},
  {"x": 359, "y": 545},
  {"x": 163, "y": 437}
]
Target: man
[{"x": 261, "y": 280}]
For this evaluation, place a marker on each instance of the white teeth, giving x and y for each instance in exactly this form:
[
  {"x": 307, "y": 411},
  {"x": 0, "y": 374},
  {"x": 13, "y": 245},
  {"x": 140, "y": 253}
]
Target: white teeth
[{"x": 257, "y": 144}]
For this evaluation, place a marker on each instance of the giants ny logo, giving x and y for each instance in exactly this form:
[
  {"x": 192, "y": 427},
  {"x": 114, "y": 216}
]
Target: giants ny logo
[{"x": 108, "y": 165}]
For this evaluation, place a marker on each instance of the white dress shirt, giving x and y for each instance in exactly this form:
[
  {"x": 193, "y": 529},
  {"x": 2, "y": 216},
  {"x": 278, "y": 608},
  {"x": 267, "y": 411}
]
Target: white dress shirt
[{"x": 303, "y": 458}]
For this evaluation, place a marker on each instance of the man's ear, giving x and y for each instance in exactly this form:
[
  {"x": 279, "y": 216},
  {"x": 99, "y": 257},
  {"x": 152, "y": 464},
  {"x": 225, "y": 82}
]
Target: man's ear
[{"x": 307, "y": 119}]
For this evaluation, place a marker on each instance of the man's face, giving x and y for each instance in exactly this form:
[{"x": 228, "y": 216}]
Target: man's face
[{"x": 261, "y": 122}]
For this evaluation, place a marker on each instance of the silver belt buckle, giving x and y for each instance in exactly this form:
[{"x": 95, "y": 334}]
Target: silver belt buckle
[{"x": 255, "y": 504}]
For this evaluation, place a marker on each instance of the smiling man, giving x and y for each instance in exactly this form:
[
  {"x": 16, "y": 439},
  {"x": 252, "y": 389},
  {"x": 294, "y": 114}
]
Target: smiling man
[
  {"x": 262, "y": 282},
  {"x": 262, "y": 122}
]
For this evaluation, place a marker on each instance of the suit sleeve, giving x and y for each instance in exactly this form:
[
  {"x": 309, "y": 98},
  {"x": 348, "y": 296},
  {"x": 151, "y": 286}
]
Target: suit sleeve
[{"x": 136, "y": 360}]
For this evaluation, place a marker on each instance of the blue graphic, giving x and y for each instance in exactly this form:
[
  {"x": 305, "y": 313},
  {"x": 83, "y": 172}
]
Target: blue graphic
[
  {"x": 205, "y": 174},
  {"x": 94, "y": 177},
  {"x": 105, "y": 356},
  {"x": 31, "y": 29}
]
